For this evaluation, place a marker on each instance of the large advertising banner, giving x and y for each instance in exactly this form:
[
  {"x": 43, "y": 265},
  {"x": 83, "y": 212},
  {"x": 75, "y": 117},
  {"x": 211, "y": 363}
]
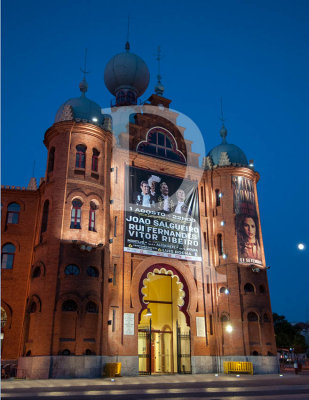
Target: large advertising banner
[
  {"x": 162, "y": 215},
  {"x": 247, "y": 223}
]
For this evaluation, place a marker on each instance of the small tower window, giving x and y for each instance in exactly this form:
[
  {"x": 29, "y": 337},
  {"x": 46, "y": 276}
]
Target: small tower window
[
  {"x": 71, "y": 269},
  {"x": 13, "y": 213},
  {"x": 92, "y": 216},
  {"x": 249, "y": 288},
  {"x": 51, "y": 160},
  {"x": 92, "y": 271},
  {"x": 76, "y": 214},
  {"x": 91, "y": 307},
  {"x": 7, "y": 256},
  {"x": 95, "y": 160},
  {"x": 80, "y": 156},
  {"x": 69, "y": 305},
  {"x": 218, "y": 197},
  {"x": 36, "y": 272},
  {"x": 252, "y": 317},
  {"x": 220, "y": 244},
  {"x": 33, "y": 307},
  {"x": 45, "y": 216}
]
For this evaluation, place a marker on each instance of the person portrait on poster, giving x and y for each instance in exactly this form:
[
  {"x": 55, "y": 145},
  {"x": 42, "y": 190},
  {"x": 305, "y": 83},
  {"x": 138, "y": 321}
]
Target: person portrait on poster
[{"x": 248, "y": 238}]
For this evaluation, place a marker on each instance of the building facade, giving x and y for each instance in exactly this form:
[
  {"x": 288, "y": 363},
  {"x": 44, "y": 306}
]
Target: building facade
[{"x": 131, "y": 251}]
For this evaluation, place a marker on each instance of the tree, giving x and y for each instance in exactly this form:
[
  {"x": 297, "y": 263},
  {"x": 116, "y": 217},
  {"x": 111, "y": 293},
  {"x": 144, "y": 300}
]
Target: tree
[{"x": 287, "y": 335}]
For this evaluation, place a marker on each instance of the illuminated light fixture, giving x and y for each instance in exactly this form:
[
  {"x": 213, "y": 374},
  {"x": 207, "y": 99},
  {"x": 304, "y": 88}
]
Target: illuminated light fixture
[
  {"x": 227, "y": 291},
  {"x": 280, "y": 375},
  {"x": 89, "y": 248},
  {"x": 229, "y": 328},
  {"x": 251, "y": 163},
  {"x": 301, "y": 246},
  {"x": 222, "y": 223},
  {"x": 220, "y": 195},
  {"x": 216, "y": 374},
  {"x": 148, "y": 313},
  {"x": 224, "y": 256},
  {"x": 238, "y": 376},
  {"x": 94, "y": 119},
  {"x": 83, "y": 247}
]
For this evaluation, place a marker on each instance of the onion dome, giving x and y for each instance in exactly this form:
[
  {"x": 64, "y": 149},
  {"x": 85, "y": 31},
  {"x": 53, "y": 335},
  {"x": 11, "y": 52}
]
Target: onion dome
[
  {"x": 80, "y": 109},
  {"x": 225, "y": 154},
  {"x": 126, "y": 76}
]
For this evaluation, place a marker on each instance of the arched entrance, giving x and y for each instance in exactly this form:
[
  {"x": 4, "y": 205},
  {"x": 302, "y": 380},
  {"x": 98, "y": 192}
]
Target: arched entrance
[{"x": 164, "y": 343}]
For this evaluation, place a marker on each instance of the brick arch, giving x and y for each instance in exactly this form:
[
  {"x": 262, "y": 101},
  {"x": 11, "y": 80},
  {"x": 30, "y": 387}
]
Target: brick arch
[
  {"x": 41, "y": 265},
  {"x": 69, "y": 296},
  {"x": 19, "y": 202},
  {"x": 76, "y": 194},
  {"x": 12, "y": 241},
  {"x": 94, "y": 196},
  {"x": 34, "y": 298},
  {"x": 177, "y": 268}
]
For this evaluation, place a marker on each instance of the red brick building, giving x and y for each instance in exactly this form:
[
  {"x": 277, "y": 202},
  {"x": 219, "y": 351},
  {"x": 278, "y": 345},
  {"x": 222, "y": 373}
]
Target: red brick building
[{"x": 129, "y": 250}]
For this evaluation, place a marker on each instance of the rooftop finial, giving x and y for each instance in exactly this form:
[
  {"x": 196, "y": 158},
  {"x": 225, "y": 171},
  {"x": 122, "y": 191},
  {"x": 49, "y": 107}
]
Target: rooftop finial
[
  {"x": 127, "y": 46},
  {"x": 83, "y": 86},
  {"x": 159, "y": 88},
  {"x": 223, "y": 131}
]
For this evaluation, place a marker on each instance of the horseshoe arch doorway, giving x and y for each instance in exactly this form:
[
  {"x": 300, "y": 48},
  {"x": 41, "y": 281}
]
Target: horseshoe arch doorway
[{"x": 164, "y": 341}]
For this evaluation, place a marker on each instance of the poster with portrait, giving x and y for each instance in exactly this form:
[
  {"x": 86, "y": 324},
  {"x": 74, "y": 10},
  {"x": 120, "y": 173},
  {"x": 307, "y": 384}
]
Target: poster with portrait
[
  {"x": 161, "y": 216},
  {"x": 247, "y": 223}
]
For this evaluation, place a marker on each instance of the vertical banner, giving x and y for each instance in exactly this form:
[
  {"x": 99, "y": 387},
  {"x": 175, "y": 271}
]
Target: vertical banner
[
  {"x": 247, "y": 223},
  {"x": 162, "y": 215}
]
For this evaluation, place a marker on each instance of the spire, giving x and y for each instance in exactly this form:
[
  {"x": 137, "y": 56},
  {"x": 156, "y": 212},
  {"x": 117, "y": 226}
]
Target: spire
[
  {"x": 223, "y": 130},
  {"x": 127, "y": 45},
  {"x": 159, "y": 88},
  {"x": 83, "y": 86}
]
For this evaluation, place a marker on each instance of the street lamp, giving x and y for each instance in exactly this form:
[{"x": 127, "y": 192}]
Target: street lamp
[{"x": 229, "y": 328}]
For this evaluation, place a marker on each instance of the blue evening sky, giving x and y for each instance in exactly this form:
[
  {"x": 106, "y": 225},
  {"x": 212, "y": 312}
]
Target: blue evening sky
[{"x": 253, "y": 53}]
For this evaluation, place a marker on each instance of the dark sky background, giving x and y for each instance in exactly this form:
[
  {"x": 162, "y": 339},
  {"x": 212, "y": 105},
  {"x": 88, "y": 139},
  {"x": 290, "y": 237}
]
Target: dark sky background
[{"x": 253, "y": 53}]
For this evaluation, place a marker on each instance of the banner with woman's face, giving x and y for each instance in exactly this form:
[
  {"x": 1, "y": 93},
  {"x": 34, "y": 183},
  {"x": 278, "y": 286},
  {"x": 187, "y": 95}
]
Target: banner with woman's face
[{"x": 247, "y": 223}]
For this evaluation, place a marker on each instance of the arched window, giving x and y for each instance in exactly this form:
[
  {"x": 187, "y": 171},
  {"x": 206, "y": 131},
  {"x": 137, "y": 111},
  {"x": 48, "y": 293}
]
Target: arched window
[
  {"x": 33, "y": 307},
  {"x": 45, "y": 216},
  {"x": 69, "y": 305},
  {"x": 7, "y": 256},
  {"x": 51, "y": 160},
  {"x": 95, "y": 160},
  {"x": 266, "y": 318},
  {"x": 76, "y": 214},
  {"x": 218, "y": 197},
  {"x": 252, "y": 316},
  {"x": 131, "y": 98},
  {"x": 249, "y": 288},
  {"x": 161, "y": 143},
  {"x": 91, "y": 307},
  {"x": 71, "y": 269},
  {"x": 66, "y": 352},
  {"x": 13, "y": 213},
  {"x": 255, "y": 353},
  {"x": 36, "y": 272},
  {"x": 80, "y": 156},
  {"x": 224, "y": 317},
  {"x": 220, "y": 244},
  {"x": 92, "y": 216},
  {"x": 262, "y": 289},
  {"x": 120, "y": 98},
  {"x": 88, "y": 352},
  {"x": 92, "y": 271}
]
